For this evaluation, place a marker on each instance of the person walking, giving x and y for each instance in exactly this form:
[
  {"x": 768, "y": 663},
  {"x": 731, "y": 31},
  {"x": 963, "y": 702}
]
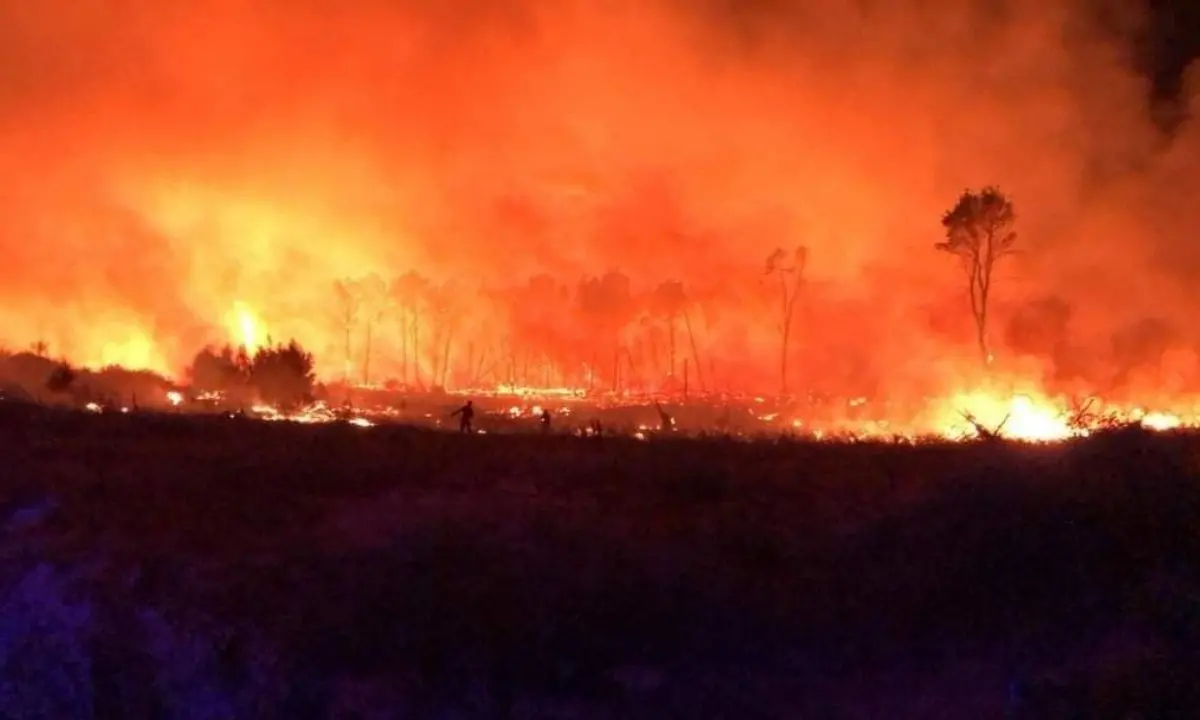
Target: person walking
[{"x": 465, "y": 415}]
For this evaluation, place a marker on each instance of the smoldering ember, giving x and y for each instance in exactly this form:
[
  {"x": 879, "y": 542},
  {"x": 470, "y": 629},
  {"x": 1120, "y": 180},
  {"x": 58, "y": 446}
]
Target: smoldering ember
[{"x": 599, "y": 359}]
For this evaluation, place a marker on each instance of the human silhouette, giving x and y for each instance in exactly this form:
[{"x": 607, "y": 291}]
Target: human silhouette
[
  {"x": 545, "y": 420},
  {"x": 465, "y": 414}
]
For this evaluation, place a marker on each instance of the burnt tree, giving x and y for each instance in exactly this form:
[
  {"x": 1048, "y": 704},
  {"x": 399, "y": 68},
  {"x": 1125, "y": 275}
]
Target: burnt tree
[
  {"x": 789, "y": 271},
  {"x": 979, "y": 232}
]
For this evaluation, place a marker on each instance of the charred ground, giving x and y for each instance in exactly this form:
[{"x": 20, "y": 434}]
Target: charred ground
[{"x": 277, "y": 570}]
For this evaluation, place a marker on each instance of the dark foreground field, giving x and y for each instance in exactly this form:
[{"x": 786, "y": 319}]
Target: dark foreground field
[{"x": 207, "y": 568}]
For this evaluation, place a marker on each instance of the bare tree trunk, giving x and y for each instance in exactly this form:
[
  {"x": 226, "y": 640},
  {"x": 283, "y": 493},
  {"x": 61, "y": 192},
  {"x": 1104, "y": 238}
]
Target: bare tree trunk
[
  {"x": 367, "y": 355},
  {"x": 981, "y": 338},
  {"x": 617, "y": 369},
  {"x": 478, "y": 372},
  {"x": 416, "y": 350},
  {"x": 404, "y": 347},
  {"x": 633, "y": 372},
  {"x": 514, "y": 363},
  {"x": 655, "y": 366},
  {"x": 784, "y": 331},
  {"x": 671, "y": 352},
  {"x": 789, "y": 313},
  {"x": 446, "y": 357},
  {"x": 783, "y": 363},
  {"x": 979, "y": 299},
  {"x": 687, "y": 323},
  {"x": 346, "y": 373}
]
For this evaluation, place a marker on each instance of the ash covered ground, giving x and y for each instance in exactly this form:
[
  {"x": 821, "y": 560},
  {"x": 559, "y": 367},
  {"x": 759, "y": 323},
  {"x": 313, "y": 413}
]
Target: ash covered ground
[{"x": 188, "y": 566}]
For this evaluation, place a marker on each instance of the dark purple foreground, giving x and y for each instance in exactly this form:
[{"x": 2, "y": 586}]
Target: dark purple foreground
[{"x": 190, "y": 567}]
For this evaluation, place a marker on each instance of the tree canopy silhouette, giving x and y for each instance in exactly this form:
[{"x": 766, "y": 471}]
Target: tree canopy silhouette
[
  {"x": 283, "y": 374},
  {"x": 61, "y": 378},
  {"x": 789, "y": 270},
  {"x": 214, "y": 370},
  {"x": 979, "y": 231},
  {"x": 280, "y": 375}
]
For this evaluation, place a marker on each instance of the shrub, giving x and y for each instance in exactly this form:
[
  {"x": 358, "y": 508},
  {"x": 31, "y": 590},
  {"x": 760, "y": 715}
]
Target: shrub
[
  {"x": 60, "y": 378},
  {"x": 283, "y": 375},
  {"x": 219, "y": 370}
]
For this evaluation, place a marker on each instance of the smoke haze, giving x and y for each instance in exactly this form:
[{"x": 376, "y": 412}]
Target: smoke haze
[{"x": 161, "y": 162}]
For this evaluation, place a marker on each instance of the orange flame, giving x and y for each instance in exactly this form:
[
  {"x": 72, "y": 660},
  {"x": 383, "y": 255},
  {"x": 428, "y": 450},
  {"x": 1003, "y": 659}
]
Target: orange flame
[{"x": 243, "y": 325}]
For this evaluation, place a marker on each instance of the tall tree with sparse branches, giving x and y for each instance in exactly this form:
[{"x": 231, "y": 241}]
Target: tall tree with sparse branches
[
  {"x": 372, "y": 305},
  {"x": 979, "y": 232},
  {"x": 789, "y": 270},
  {"x": 349, "y": 297}
]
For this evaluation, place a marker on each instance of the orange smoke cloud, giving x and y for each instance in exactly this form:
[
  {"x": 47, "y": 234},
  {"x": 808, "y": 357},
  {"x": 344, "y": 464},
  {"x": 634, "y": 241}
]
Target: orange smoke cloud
[{"x": 167, "y": 166}]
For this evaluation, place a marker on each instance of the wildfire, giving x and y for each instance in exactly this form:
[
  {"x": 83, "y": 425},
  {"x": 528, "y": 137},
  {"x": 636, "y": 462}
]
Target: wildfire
[
  {"x": 1019, "y": 417},
  {"x": 317, "y": 412},
  {"x": 244, "y": 325},
  {"x": 506, "y": 390},
  {"x": 136, "y": 350},
  {"x": 1161, "y": 421}
]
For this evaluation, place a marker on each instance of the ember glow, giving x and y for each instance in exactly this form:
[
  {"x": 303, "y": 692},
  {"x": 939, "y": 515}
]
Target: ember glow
[{"x": 563, "y": 198}]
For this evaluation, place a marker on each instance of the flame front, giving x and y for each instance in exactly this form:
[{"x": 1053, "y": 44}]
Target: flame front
[
  {"x": 245, "y": 327},
  {"x": 1021, "y": 416},
  {"x": 581, "y": 196}
]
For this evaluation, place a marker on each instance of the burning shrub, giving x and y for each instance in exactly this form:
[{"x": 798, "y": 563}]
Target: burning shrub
[
  {"x": 283, "y": 375},
  {"x": 219, "y": 370}
]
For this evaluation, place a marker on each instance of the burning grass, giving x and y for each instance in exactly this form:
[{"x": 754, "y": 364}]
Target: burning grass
[{"x": 264, "y": 567}]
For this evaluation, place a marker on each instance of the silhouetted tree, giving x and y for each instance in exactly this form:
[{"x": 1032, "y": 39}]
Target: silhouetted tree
[
  {"x": 283, "y": 375},
  {"x": 667, "y": 302},
  {"x": 348, "y": 295},
  {"x": 40, "y": 348},
  {"x": 537, "y": 318},
  {"x": 215, "y": 370},
  {"x": 670, "y": 303},
  {"x": 373, "y": 296},
  {"x": 61, "y": 378},
  {"x": 409, "y": 295},
  {"x": 790, "y": 273},
  {"x": 605, "y": 304},
  {"x": 979, "y": 231},
  {"x": 446, "y": 305}
]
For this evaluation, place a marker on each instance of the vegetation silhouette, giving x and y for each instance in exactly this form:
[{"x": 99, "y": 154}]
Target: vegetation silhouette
[
  {"x": 979, "y": 231},
  {"x": 620, "y": 578},
  {"x": 280, "y": 375},
  {"x": 788, "y": 269}
]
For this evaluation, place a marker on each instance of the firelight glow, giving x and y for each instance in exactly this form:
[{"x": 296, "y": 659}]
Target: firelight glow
[
  {"x": 515, "y": 189},
  {"x": 245, "y": 328}
]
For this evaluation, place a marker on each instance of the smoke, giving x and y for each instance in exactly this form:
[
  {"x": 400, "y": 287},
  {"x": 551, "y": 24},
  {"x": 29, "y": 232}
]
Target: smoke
[{"x": 160, "y": 162}]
